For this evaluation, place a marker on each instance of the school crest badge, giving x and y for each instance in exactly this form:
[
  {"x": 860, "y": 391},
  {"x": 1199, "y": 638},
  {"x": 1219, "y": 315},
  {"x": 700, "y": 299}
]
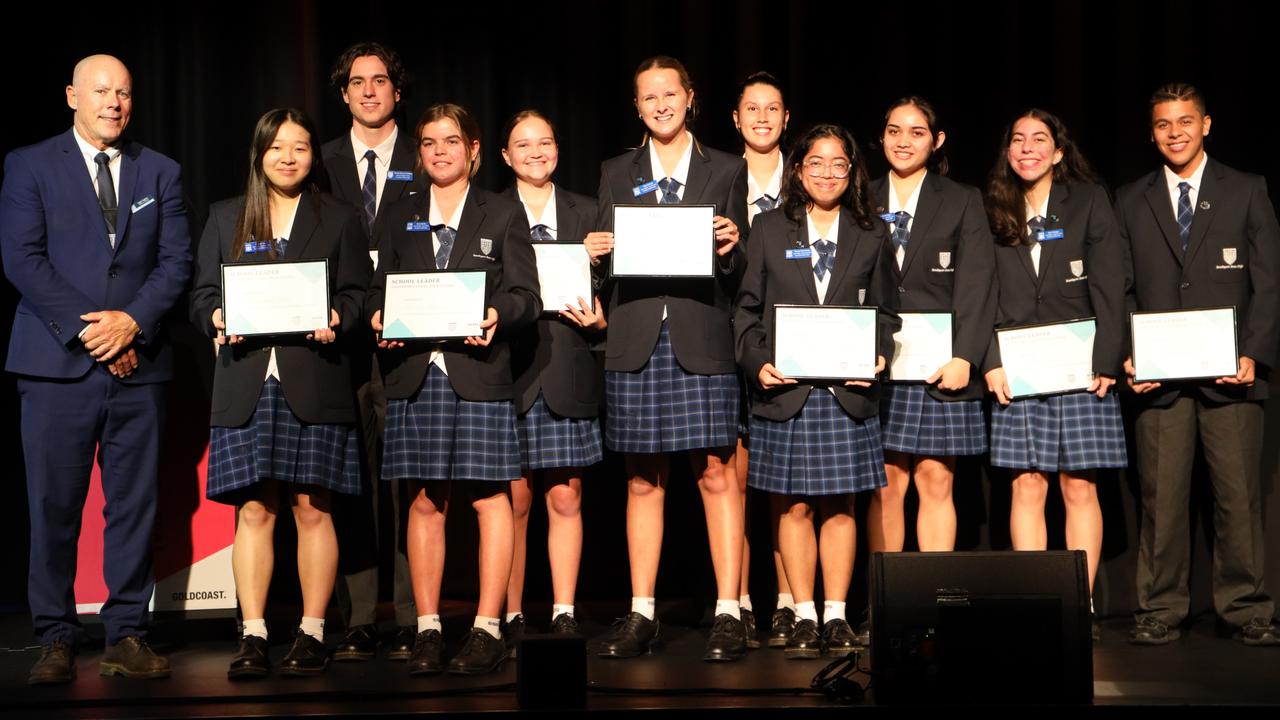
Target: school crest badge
[
  {"x": 1229, "y": 256},
  {"x": 944, "y": 259},
  {"x": 1077, "y": 268},
  {"x": 486, "y": 245}
]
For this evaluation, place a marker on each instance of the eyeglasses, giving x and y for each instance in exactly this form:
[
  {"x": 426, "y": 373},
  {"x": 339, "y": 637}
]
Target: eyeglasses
[{"x": 816, "y": 166}]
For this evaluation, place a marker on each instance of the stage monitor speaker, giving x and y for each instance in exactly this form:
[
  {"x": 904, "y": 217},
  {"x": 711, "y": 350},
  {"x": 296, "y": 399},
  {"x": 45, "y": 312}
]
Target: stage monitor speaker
[
  {"x": 551, "y": 672},
  {"x": 981, "y": 627}
]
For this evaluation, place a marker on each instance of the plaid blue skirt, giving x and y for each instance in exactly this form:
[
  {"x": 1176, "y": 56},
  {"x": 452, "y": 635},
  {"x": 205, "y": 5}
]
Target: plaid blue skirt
[
  {"x": 550, "y": 441},
  {"x": 436, "y": 435},
  {"x": 661, "y": 408},
  {"x": 913, "y": 421},
  {"x": 820, "y": 451},
  {"x": 275, "y": 445},
  {"x": 1076, "y": 431}
]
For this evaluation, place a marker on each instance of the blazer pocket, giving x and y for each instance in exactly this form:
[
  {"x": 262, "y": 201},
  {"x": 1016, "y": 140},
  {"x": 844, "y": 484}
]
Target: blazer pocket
[{"x": 1228, "y": 264}]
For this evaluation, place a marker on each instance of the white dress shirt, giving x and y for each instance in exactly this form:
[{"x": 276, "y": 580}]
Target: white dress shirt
[
  {"x": 1041, "y": 212},
  {"x": 755, "y": 192},
  {"x": 1194, "y": 181},
  {"x": 832, "y": 236},
  {"x": 381, "y": 166},
  {"x": 908, "y": 207},
  {"x": 548, "y": 213}
]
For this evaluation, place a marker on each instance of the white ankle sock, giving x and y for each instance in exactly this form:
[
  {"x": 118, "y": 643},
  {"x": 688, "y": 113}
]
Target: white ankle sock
[
  {"x": 644, "y": 605},
  {"x": 513, "y": 615},
  {"x": 744, "y": 602},
  {"x": 729, "y": 607},
  {"x": 832, "y": 610},
  {"x": 786, "y": 600},
  {"x": 489, "y": 625},
  {"x": 313, "y": 627},
  {"x": 557, "y": 610},
  {"x": 807, "y": 611},
  {"x": 255, "y": 628},
  {"x": 429, "y": 622}
]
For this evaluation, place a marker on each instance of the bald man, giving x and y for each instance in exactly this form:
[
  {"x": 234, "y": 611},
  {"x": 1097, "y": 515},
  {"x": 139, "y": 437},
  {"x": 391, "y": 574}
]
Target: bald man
[{"x": 94, "y": 237}]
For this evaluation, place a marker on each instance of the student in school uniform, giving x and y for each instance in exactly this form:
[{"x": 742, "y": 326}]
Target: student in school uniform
[
  {"x": 670, "y": 380},
  {"x": 943, "y": 262},
  {"x": 283, "y": 405},
  {"x": 816, "y": 445},
  {"x": 451, "y": 424},
  {"x": 1201, "y": 234},
  {"x": 761, "y": 118},
  {"x": 1059, "y": 256},
  {"x": 558, "y": 380}
]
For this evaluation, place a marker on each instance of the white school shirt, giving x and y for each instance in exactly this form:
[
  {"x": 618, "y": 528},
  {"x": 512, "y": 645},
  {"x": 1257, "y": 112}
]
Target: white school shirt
[
  {"x": 548, "y": 218},
  {"x": 833, "y": 236},
  {"x": 755, "y": 192},
  {"x": 1041, "y": 212},
  {"x": 910, "y": 208},
  {"x": 381, "y": 166},
  {"x": 1172, "y": 179},
  {"x": 680, "y": 174},
  {"x": 273, "y": 371}
]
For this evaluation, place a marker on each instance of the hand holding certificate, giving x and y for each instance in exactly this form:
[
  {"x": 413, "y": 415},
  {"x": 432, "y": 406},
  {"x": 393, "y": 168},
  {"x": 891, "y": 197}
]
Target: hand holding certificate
[
  {"x": 921, "y": 347},
  {"x": 275, "y": 298},
  {"x": 435, "y": 306},
  {"x": 1048, "y": 359},
  {"x": 1184, "y": 345},
  {"x": 825, "y": 342},
  {"x": 664, "y": 240}
]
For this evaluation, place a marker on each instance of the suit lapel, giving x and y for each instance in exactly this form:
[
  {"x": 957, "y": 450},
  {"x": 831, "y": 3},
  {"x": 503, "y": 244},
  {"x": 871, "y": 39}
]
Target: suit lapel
[
  {"x": 347, "y": 172},
  {"x": 402, "y": 160},
  {"x": 85, "y": 195},
  {"x": 699, "y": 175},
  {"x": 1203, "y": 216},
  {"x": 304, "y": 226},
  {"x": 567, "y": 219},
  {"x": 422, "y": 240},
  {"x": 468, "y": 227},
  {"x": 798, "y": 237},
  {"x": 1058, "y": 196},
  {"x": 128, "y": 180},
  {"x": 1162, "y": 209},
  {"x": 641, "y": 173},
  {"x": 926, "y": 209},
  {"x": 845, "y": 250}
]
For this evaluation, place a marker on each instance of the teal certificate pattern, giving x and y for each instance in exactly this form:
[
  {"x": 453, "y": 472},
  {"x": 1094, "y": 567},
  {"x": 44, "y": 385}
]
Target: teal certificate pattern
[
  {"x": 1184, "y": 344},
  {"x": 275, "y": 298},
  {"x": 921, "y": 347},
  {"x": 433, "y": 305},
  {"x": 1048, "y": 359},
  {"x": 823, "y": 342}
]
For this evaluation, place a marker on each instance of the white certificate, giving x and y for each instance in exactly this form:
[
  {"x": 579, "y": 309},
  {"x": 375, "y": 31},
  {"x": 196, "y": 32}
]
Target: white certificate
[
  {"x": 275, "y": 298},
  {"x": 564, "y": 275},
  {"x": 1048, "y": 359},
  {"x": 1184, "y": 344},
  {"x": 433, "y": 305},
  {"x": 825, "y": 342},
  {"x": 922, "y": 346},
  {"x": 663, "y": 241}
]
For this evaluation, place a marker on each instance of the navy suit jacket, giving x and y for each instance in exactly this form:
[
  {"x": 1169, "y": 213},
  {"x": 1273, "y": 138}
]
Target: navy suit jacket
[
  {"x": 58, "y": 255},
  {"x": 1232, "y": 258}
]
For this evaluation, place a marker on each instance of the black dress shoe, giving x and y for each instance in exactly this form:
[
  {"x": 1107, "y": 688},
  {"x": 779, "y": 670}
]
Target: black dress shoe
[
  {"x": 427, "y": 655},
  {"x": 1259, "y": 632},
  {"x": 402, "y": 645},
  {"x": 360, "y": 643},
  {"x": 481, "y": 653},
  {"x": 749, "y": 627},
  {"x": 728, "y": 640},
  {"x": 250, "y": 660},
  {"x": 780, "y": 625},
  {"x": 862, "y": 635},
  {"x": 512, "y": 632},
  {"x": 1149, "y": 631},
  {"x": 564, "y": 624},
  {"x": 308, "y": 656},
  {"x": 133, "y": 658},
  {"x": 631, "y": 636},
  {"x": 57, "y": 665},
  {"x": 838, "y": 638},
  {"x": 804, "y": 642}
]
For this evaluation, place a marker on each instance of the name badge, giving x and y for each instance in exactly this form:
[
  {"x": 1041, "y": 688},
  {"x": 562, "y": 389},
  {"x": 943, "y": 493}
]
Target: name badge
[
  {"x": 644, "y": 189},
  {"x": 142, "y": 203},
  {"x": 417, "y": 226},
  {"x": 256, "y": 246},
  {"x": 1054, "y": 234},
  {"x": 400, "y": 175},
  {"x": 799, "y": 253},
  {"x": 889, "y": 217}
]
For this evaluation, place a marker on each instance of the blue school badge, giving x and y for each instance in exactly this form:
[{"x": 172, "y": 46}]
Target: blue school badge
[
  {"x": 889, "y": 217},
  {"x": 799, "y": 253},
  {"x": 1046, "y": 235},
  {"x": 400, "y": 176},
  {"x": 417, "y": 226}
]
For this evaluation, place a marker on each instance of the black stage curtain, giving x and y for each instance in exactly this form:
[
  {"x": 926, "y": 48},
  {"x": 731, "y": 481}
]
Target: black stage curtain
[{"x": 204, "y": 72}]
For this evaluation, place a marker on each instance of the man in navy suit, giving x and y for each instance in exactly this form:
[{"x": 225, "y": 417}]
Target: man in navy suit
[{"x": 94, "y": 237}]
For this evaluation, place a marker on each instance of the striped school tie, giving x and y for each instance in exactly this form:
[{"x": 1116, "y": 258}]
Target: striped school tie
[
  {"x": 670, "y": 188},
  {"x": 541, "y": 233},
  {"x": 1185, "y": 214},
  {"x": 826, "y": 257},
  {"x": 446, "y": 235},
  {"x": 900, "y": 232},
  {"x": 370, "y": 189}
]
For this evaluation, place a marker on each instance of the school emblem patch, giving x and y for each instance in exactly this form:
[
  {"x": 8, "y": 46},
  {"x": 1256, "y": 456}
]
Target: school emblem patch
[
  {"x": 944, "y": 259},
  {"x": 1077, "y": 268},
  {"x": 486, "y": 245},
  {"x": 862, "y": 295},
  {"x": 1229, "y": 256}
]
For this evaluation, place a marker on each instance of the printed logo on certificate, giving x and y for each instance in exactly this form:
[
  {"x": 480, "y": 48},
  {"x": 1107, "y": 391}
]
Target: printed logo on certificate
[
  {"x": 275, "y": 298},
  {"x": 434, "y": 305},
  {"x": 1048, "y": 359},
  {"x": 1194, "y": 344},
  {"x": 825, "y": 342},
  {"x": 663, "y": 241}
]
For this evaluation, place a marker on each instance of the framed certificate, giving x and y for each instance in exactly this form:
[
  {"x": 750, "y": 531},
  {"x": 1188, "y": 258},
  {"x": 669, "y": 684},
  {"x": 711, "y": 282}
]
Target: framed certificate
[
  {"x": 921, "y": 347},
  {"x": 564, "y": 275},
  {"x": 1184, "y": 344},
  {"x": 434, "y": 305},
  {"x": 275, "y": 298},
  {"x": 1048, "y": 359},
  {"x": 825, "y": 342},
  {"x": 663, "y": 241}
]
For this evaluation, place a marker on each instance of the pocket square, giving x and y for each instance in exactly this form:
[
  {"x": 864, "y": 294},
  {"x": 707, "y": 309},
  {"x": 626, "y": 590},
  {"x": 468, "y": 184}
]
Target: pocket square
[{"x": 142, "y": 203}]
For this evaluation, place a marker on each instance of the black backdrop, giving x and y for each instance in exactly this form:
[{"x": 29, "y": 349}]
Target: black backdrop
[{"x": 203, "y": 73}]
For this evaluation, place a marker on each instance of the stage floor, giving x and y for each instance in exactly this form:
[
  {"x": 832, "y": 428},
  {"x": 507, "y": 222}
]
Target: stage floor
[{"x": 1202, "y": 668}]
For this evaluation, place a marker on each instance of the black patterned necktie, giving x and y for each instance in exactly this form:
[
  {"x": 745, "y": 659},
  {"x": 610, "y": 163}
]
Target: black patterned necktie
[
  {"x": 1036, "y": 226},
  {"x": 901, "y": 235},
  {"x": 670, "y": 188},
  {"x": 445, "y": 235},
  {"x": 282, "y": 245},
  {"x": 106, "y": 192},
  {"x": 766, "y": 203},
  {"x": 370, "y": 189},
  {"x": 541, "y": 233},
  {"x": 826, "y": 258},
  {"x": 1185, "y": 214}
]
